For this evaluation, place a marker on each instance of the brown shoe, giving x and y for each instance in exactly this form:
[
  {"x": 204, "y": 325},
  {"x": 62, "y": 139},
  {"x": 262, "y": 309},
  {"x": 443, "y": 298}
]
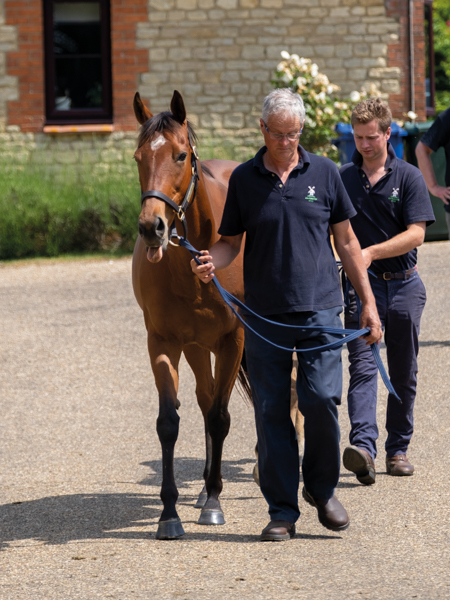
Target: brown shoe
[
  {"x": 331, "y": 513},
  {"x": 398, "y": 465},
  {"x": 360, "y": 463},
  {"x": 278, "y": 531}
]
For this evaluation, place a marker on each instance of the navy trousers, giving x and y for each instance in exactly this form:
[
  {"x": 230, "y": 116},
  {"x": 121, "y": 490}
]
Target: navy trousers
[
  {"x": 319, "y": 389},
  {"x": 400, "y": 304}
]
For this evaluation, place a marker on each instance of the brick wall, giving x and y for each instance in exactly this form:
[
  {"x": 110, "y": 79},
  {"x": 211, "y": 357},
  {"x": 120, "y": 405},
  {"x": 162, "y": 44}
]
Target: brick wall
[
  {"x": 400, "y": 98},
  {"x": 21, "y": 40}
]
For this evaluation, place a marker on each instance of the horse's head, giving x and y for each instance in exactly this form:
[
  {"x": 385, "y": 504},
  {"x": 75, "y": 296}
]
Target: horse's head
[{"x": 164, "y": 158}]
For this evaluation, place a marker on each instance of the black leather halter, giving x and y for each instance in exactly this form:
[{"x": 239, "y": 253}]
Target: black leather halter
[{"x": 180, "y": 209}]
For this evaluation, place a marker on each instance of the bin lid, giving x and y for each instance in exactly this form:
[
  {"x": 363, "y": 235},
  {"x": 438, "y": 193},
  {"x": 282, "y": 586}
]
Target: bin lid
[{"x": 345, "y": 130}]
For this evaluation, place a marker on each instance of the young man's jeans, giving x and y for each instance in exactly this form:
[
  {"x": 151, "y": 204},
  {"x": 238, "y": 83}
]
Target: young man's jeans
[
  {"x": 400, "y": 304},
  {"x": 319, "y": 388}
]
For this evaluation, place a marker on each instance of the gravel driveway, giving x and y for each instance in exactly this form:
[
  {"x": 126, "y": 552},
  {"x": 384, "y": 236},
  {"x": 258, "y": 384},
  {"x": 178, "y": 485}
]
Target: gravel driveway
[{"x": 80, "y": 464}]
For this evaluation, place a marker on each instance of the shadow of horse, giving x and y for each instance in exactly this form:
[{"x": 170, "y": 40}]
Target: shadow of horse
[{"x": 59, "y": 520}]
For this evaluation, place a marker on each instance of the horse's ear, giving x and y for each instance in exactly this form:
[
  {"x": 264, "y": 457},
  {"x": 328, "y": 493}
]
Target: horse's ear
[
  {"x": 140, "y": 110},
  {"x": 177, "y": 107}
]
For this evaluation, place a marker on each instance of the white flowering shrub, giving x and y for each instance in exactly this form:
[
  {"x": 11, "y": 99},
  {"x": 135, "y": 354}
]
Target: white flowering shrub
[{"x": 323, "y": 108}]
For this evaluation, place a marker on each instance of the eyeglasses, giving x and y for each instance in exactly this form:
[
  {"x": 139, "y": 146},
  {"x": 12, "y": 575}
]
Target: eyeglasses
[{"x": 277, "y": 137}]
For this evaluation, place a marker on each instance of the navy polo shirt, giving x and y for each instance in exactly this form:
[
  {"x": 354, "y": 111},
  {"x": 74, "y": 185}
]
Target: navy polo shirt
[
  {"x": 439, "y": 135},
  {"x": 398, "y": 199},
  {"x": 289, "y": 264}
]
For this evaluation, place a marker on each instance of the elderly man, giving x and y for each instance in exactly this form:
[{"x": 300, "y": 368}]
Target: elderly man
[
  {"x": 286, "y": 200},
  {"x": 393, "y": 209}
]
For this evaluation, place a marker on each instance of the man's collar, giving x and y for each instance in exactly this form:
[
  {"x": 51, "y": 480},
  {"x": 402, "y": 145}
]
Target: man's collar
[
  {"x": 258, "y": 161},
  {"x": 357, "y": 158}
]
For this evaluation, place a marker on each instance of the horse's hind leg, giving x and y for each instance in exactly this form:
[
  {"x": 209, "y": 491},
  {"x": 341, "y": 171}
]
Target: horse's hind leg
[
  {"x": 164, "y": 358},
  {"x": 228, "y": 357},
  {"x": 199, "y": 360}
]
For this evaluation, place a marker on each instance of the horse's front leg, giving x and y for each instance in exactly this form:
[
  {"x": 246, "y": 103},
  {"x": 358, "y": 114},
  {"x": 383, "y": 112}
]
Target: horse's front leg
[
  {"x": 199, "y": 360},
  {"x": 228, "y": 358},
  {"x": 164, "y": 359}
]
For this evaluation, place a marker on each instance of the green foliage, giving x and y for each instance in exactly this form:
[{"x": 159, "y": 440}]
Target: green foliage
[
  {"x": 72, "y": 212},
  {"x": 323, "y": 108},
  {"x": 441, "y": 32}
]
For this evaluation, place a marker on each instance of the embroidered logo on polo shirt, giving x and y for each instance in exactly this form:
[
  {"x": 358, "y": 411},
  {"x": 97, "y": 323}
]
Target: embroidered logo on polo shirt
[
  {"x": 311, "y": 194},
  {"x": 394, "y": 196}
]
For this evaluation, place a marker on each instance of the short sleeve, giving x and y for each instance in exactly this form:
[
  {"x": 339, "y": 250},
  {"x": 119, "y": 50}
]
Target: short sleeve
[
  {"x": 231, "y": 223},
  {"x": 439, "y": 133},
  {"x": 341, "y": 207},
  {"x": 416, "y": 201}
]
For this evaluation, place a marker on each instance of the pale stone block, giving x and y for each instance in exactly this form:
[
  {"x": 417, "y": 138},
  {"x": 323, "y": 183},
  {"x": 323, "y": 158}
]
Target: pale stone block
[
  {"x": 358, "y": 29},
  {"x": 217, "y": 65},
  {"x": 378, "y": 50},
  {"x": 386, "y": 72},
  {"x": 234, "y": 120},
  {"x": 274, "y": 52},
  {"x": 157, "y": 16},
  {"x": 162, "y": 4},
  {"x": 148, "y": 32},
  {"x": 238, "y": 14},
  {"x": 230, "y": 76},
  {"x": 177, "y": 15},
  {"x": 390, "y": 86},
  {"x": 295, "y": 13},
  {"x": 229, "y": 52},
  {"x": 297, "y": 3},
  {"x": 208, "y": 76},
  {"x": 343, "y": 11},
  {"x": 216, "y": 14},
  {"x": 272, "y": 3},
  {"x": 334, "y": 63},
  {"x": 330, "y": 2},
  {"x": 263, "y": 13},
  {"x": 249, "y": 3},
  {"x": 184, "y": 77},
  {"x": 208, "y": 53},
  {"x": 361, "y": 49},
  {"x": 227, "y": 4},
  {"x": 324, "y": 51},
  {"x": 176, "y": 53},
  {"x": 205, "y": 3},
  {"x": 212, "y": 120},
  {"x": 351, "y": 63},
  {"x": 186, "y": 4},
  {"x": 358, "y": 74},
  {"x": 256, "y": 75},
  {"x": 382, "y": 28},
  {"x": 369, "y": 62},
  {"x": 216, "y": 89},
  {"x": 238, "y": 65},
  {"x": 253, "y": 52},
  {"x": 192, "y": 89},
  {"x": 325, "y": 29},
  {"x": 157, "y": 54},
  {"x": 166, "y": 43},
  {"x": 318, "y": 12},
  {"x": 376, "y": 11},
  {"x": 240, "y": 88}
]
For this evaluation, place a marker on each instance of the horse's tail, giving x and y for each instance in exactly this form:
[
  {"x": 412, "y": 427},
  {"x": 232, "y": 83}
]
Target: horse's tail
[{"x": 242, "y": 381}]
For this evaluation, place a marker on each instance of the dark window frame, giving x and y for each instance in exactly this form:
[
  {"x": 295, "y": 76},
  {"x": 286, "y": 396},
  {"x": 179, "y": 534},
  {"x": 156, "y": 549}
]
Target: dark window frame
[
  {"x": 428, "y": 4},
  {"x": 78, "y": 116}
]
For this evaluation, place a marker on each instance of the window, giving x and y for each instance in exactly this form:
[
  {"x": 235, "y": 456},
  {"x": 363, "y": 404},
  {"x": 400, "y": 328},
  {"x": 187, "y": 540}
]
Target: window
[{"x": 77, "y": 61}]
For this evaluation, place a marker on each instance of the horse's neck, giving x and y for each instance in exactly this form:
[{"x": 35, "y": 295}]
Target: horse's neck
[{"x": 203, "y": 216}]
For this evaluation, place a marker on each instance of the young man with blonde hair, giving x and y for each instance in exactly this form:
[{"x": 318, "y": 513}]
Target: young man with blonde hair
[{"x": 393, "y": 209}]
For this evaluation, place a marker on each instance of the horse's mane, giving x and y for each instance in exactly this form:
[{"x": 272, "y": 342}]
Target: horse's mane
[{"x": 163, "y": 121}]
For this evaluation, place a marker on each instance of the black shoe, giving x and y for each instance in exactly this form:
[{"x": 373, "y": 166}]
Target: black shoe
[
  {"x": 278, "y": 531},
  {"x": 360, "y": 463},
  {"x": 331, "y": 513}
]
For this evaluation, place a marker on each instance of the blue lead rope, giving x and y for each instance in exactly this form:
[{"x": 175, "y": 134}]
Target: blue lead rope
[{"x": 345, "y": 335}]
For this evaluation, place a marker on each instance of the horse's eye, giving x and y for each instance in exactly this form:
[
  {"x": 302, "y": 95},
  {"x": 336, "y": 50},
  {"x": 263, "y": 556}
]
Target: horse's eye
[{"x": 182, "y": 157}]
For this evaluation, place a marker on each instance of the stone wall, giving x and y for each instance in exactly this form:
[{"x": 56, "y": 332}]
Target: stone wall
[
  {"x": 9, "y": 86},
  {"x": 220, "y": 54}
]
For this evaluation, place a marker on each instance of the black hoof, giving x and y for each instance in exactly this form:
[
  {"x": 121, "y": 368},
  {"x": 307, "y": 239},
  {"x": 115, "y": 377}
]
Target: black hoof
[
  {"x": 169, "y": 530},
  {"x": 211, "y": 516},
  {"x": 201, "y": 501}
]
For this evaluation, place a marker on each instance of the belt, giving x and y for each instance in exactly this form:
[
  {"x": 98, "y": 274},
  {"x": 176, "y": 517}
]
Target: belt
[{"x": 401, "y": 275}]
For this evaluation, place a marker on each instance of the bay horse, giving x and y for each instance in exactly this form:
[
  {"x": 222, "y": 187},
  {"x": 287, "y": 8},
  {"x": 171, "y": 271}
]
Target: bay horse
[{"x": 182, "y": 314}]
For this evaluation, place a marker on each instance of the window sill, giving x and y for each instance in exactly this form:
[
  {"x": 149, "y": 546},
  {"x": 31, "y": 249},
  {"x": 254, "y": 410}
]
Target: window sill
[{"x": 107, "y": 128}]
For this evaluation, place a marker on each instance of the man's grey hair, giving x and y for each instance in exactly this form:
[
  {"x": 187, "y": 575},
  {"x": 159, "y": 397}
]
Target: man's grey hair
[{"x": 281, "y": 101}]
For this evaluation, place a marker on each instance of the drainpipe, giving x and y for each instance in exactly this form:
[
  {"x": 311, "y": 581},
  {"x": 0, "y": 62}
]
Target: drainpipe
[{"x": 411, "y": 56}]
